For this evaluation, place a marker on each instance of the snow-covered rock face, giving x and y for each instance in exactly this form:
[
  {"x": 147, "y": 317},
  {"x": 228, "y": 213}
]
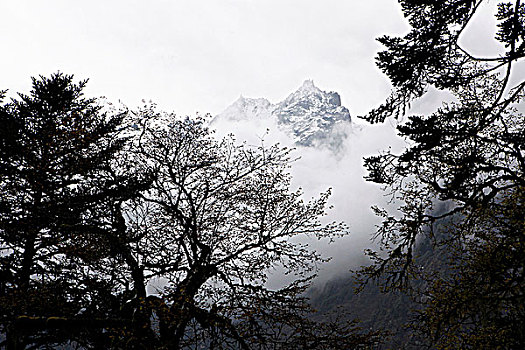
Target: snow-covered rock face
[
  {"x": 247, "y": 109},
  {"x": 310, "y": 116}
]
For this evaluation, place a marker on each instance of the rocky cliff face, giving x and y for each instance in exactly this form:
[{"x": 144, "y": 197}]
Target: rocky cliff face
[{"x": 312, "y": 117}]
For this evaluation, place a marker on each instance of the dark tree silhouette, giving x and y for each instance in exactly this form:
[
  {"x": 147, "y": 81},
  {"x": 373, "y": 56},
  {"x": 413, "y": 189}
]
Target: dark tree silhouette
[
  {"x": 469, "y": 154},
  {"x": 59, "y": 192},
  {"x": 217, "y": 219},
  {"x": 98, "y": 207}
]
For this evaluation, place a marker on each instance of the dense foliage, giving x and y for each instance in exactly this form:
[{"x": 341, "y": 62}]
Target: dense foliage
[
  {"x": 141, "y": 230},
  {"x": 469, "y": 155},
  {"x": 58, "y": 195}
]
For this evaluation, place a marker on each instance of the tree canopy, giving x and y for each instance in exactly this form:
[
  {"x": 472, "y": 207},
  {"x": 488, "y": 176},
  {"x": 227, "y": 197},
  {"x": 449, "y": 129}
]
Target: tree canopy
[
  {"x": 467, "y": 157},
  {"x": 58, "y": 190},
  {"x": 140, "y": 229}
]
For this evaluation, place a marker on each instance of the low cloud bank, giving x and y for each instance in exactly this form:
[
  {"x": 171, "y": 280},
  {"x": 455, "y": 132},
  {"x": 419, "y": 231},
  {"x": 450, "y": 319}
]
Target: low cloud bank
[{"x": 318, "y": 169}]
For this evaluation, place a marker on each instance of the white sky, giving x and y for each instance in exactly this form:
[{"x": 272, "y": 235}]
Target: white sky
[{"x": 200, "y": 55}]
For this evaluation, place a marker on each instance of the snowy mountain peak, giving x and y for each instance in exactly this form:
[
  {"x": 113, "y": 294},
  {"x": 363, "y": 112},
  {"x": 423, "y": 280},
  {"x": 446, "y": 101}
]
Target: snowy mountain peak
[
  {"x": 309, "y": 95},
  {"x": 312, "y": 117},
  {"x": 309, "y": 86},
  {"x": 248, "y": 108}
]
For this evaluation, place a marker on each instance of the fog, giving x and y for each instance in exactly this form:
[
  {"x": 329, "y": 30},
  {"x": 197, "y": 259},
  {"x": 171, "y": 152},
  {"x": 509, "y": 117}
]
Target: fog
[{"x": 318, "y": 169}]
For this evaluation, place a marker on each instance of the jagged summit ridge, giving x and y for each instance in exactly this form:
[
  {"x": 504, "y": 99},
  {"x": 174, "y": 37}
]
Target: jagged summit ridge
[
  {"x": 309, "y": 87},
  {"x": 312, "y": 117}
]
